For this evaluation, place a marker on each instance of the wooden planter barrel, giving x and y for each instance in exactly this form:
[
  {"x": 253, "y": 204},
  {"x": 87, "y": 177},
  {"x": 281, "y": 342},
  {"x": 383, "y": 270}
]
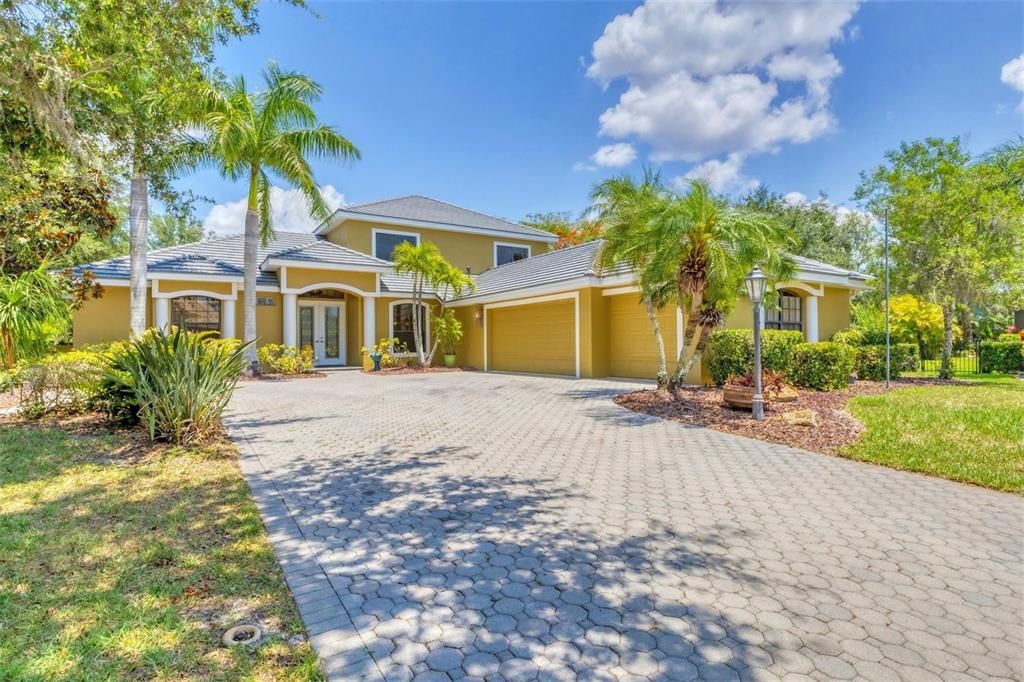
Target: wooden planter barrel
[{"x": 738, "y": 396}]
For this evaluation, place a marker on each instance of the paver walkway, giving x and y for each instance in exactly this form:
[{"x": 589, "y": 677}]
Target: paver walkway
[{"x": 456, "y": 526}]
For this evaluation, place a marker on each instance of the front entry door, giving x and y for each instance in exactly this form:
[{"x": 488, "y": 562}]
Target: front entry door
[{"x": 321, "y": 325}]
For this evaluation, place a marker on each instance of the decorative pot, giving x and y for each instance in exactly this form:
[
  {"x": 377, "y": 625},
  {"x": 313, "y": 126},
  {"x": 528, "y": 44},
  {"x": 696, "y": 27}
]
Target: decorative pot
[
  {"x": 738, "y": 396},
  {"x": 375, "y": 357},
  {"x": 449, "y": 359}
]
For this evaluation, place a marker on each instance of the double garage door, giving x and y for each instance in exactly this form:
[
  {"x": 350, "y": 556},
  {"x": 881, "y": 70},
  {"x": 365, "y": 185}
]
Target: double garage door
[{"x": 534, "y": 338}]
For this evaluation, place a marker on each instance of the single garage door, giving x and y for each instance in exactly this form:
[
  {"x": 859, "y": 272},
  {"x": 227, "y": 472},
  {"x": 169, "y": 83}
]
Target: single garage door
[
  {"x": 631, "y": 340},
  {"x": 535, "y": 338}
]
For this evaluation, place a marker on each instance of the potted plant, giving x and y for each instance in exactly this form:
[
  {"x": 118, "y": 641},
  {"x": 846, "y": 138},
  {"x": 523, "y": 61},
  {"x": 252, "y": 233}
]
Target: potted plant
[
  {"x": 448, "y": 332},
  {"x": 739, "y": 389},
  {"x": 382, "y": 354}
]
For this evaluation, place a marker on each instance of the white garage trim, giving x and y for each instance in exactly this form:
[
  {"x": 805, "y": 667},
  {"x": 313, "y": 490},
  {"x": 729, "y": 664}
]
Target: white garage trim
[{"x": 575, "y": 296}]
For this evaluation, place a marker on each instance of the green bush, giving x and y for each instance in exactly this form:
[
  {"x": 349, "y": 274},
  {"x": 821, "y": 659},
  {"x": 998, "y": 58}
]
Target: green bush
[
  {"x": 1017, "y": 337},
  {"x": 823, "y": 366},
  {"x": 280, "y": 359},
  {"x": 851, "y": 337},
  {"x": 179, "y": 382},
  {"x": 1001, "y": 357},
  {"x": 731, "y": 352},
  {"x": 63, "y": 383},
  {"x": 903, "y": 357}
]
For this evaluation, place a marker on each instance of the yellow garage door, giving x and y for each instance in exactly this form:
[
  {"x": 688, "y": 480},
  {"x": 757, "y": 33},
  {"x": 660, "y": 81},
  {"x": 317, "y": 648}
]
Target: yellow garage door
[
  {"x": 631, "y": 340},
  {"x": 535, "y": 338}
]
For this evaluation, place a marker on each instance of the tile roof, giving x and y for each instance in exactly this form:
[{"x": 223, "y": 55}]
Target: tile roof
[
  {"x": 321, "y": 251},
  {"x": 425, "y": 209},
  {"x": 222, "y": 253},
  {"x": 545, "y": 268}
]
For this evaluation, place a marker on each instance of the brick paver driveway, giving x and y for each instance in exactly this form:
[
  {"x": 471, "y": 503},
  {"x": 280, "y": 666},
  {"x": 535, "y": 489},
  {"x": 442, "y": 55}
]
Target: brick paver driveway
[{"x": 507, "y": 527}]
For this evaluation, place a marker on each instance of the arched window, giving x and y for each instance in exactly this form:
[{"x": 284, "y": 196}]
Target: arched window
[
  {"x": 788, "y": 314},
  {"x": 196, "y": 313},
  {"x": 402, "y": 324}
]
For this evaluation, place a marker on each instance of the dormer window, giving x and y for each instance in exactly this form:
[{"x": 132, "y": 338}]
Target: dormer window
[
  {"x": 509, "y": 253},
  {"x": 385, "y": 241}
]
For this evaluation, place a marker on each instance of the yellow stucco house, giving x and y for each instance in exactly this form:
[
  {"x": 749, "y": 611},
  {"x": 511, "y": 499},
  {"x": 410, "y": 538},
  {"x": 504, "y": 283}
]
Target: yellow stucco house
[{"x": 535, "y": 309}]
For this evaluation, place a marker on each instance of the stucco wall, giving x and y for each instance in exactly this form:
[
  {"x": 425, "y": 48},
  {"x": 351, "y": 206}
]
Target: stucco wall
[
  {"x": 461, "y": 249},
  {"x": 298, "y": 278},
  {"x": 103, "y": 319},
  {"x": 833, "y": 312}
]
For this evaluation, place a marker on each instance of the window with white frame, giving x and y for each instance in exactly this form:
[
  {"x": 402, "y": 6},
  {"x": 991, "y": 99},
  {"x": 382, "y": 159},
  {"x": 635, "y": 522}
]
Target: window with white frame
[
  {"x": 402, "y": 324},
  {"x": 196, "y": 313},
  {"x": 385, "y": 241},
  {"x": 509, "y": 253},
  {"x": 788, "y": 314}
]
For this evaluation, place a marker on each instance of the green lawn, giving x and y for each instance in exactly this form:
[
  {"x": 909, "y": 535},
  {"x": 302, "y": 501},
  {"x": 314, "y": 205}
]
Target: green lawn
[
  {"x": 120, "y": 560},
  {"x": 972, "y": 432}
]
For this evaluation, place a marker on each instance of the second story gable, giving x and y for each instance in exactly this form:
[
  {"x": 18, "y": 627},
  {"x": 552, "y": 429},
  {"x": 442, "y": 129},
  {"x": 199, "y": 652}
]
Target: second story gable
[{"x": 468, "y": 239}]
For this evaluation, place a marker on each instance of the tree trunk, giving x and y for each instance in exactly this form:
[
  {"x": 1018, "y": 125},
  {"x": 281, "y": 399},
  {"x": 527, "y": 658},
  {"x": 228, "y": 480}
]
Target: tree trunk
[
  {"x": 945, "y": 369},
  {"x": 138, "y": 218},
  {"x": 968, "y": 328},
  {"x": 250, "y": 272},
  {"x": 417, "y": 328},
  {"x": 683, "y": 365},
  {"x": 659, "y": 342}
]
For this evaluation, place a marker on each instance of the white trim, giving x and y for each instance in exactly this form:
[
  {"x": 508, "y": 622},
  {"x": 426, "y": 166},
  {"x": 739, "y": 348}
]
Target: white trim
[
  {"x": 194, "y": 292},
  {"x": 618, "y": 291},
  {"x": 379, "y": 230},
  {"x": 391, "y": 325},
  {"x": 313, "y": 265},
  {"x": 189, "y": 277},
  {"x": 529, "y": 251},
  {"x": 801, "y": 286},
  {"x": 330, "y": 285},
  {"x": 575, "y": 296},
  {"x": 428, "y": 225}
]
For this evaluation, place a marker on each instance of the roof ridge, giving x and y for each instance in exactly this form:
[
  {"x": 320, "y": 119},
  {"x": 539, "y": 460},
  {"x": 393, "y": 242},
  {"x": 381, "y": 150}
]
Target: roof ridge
[{"x": 377, "y": 201}]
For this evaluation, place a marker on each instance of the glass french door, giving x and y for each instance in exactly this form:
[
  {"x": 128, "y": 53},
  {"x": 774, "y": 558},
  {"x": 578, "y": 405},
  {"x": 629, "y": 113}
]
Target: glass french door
[{"x": 321, "y": 326}]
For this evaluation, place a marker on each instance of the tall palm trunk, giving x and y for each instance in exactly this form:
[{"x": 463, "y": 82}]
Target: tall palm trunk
[
  {"x": 659, "y": 342},
  {"x": 138, "y": 218},
  {"x": 250, "y": 272},
  {"x": 945, "y": 369},
  {"x": 417, "y": 328}
]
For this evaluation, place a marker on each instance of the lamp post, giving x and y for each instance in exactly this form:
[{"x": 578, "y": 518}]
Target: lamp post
[{"x": 756, "y": 282}]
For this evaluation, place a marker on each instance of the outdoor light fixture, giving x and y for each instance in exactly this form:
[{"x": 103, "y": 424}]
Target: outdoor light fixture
[{"x": 756, "y": 282}]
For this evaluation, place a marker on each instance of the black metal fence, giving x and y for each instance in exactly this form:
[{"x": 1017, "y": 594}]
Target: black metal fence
[{"x": 963, "y": 363}]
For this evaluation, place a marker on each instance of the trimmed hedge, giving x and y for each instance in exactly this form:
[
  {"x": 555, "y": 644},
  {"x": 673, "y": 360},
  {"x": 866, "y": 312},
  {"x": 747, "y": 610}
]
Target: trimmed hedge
[
  {"x": 731, "y": 352},
  {"x": 824, "y": 366},
  {"x": 1001, "y": 356}
]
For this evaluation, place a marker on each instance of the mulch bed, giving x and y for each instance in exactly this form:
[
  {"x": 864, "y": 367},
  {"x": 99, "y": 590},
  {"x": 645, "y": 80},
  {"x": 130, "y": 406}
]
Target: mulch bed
[
  {"x": 391, "y": 371},
  {"x": 703, "y": 406}
]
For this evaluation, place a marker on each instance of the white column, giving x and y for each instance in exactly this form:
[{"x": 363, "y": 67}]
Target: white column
[
  {"x": 227, "y": 320},
  {"x": 811, "y": 315},
  {"x": 369, "y": 321},
  {"x": 291, "y": 302},
  {"x": 161, "y": 313}
]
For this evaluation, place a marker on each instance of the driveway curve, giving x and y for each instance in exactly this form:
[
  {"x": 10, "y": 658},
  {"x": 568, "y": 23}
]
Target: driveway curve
[{"x": 498, "y": 527}]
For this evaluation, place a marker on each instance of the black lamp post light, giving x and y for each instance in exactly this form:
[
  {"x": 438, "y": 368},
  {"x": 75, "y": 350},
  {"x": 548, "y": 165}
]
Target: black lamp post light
[{"x": 756, "y": 283}]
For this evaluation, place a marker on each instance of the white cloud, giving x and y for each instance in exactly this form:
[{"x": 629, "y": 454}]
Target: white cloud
[
  {"x": 703, "y": 78},
  {"x": 614, "y": 155},
  {"x": 289, "y": 211},
  {"x": 1013, "y": 75},
  {"x": 720, "y": 175},
  {"x": 795, "y": 198},
  {"x": 840, "y": 210}
]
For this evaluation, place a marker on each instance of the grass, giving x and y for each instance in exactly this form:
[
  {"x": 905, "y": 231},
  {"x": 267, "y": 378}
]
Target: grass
[
  {"x": 123, "y": 560},
  {"x": 971, "y": 432}
]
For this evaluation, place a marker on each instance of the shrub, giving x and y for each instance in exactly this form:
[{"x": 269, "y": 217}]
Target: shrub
[
  {"x": 903, "y": 357},
  {"x": 731, "y": 352},
  {"x": 64, "y": 383},
  {"x": 907, "y": 356},
  {"x": 1001, "y": 356},
  {"x": 388, "y": 349},
  {"x": 1011, "y": 337},
  {"x": 823, "y": 366},
  {"x": 851, "y": 337},
  {"x": 286, "y": 359},
  {"x": 179, "y": 382}
]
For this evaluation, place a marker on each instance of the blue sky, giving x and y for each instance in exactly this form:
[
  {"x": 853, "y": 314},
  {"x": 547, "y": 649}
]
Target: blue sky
[{"x": 502, "y": 107}]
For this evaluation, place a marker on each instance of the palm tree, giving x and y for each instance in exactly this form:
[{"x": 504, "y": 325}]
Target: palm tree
[
  {"x": 706, "y": 248},
  {"x": 28, "y": 301},
  {"x": 253, "y": 135},
  {"x": 420, "y": 262},
  {"x": 625, "y": 209}
]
